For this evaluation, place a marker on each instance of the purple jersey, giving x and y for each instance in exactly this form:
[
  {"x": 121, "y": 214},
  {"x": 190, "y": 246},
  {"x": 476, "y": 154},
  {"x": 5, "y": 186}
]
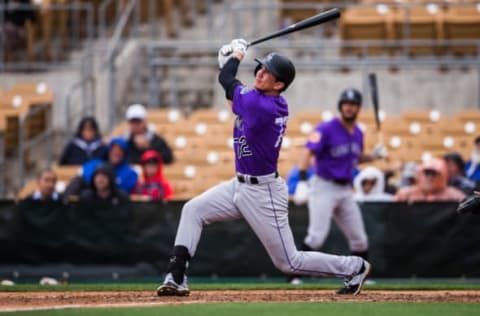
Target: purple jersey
[
  {"x": 336, "y": 150},
  {"x": 258, "y": 130}
]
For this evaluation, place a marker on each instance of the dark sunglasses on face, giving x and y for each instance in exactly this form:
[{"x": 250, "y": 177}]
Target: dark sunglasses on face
[
  {"x": 151, "y": 161},
  {"x": 430, "y": 173},
  {"x": 369, "y": 182}
]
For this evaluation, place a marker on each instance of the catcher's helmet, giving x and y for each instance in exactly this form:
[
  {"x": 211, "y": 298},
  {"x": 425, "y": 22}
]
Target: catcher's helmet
[
  {"x": 280, "y": 66},
  {"x": 350, "y": 95}
]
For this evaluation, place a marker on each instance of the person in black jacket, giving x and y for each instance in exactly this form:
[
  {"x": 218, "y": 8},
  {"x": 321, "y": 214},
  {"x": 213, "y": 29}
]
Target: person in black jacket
[
  {"x": 86, "y": 144},
  {"x": 456, "y": 173},
  {"x": 140, "y": 137},
  {"x": 103, "y": 190},
  {"x": 45, "y": 192}
]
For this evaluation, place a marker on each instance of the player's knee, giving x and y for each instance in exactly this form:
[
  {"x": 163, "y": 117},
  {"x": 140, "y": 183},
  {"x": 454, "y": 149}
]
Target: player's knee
[
  {"x": 287, "y": 265},
  {"x": 359, "y": 244},
  {"x": 190, "y": 209},
  {"x": 314, "y": 241},
  {"x": 284, "y": 267}
]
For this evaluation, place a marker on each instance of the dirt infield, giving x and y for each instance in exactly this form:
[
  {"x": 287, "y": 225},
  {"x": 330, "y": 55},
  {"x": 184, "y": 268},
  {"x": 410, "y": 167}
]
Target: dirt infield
[{"x": 44, "y": 300}]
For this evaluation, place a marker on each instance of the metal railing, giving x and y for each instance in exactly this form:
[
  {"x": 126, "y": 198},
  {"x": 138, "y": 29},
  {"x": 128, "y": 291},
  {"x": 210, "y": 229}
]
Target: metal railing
[
  {"x": 24, "y": 144},
  {"x": 2, "y": 163},
  {"x": 320, "y": 61},
  {"x": 112, "y": 53}
]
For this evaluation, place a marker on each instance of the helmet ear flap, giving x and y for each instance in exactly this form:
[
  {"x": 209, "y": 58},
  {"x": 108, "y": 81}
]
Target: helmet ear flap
[{"x": 259, "y": 66}]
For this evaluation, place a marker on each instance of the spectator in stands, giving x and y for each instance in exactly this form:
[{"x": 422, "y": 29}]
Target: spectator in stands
[
  {"x": 154, "y": 185},
  {"x": 472, "y": 167},
  {"x": 294, "y": 176},
  {"x": 456, "y": 173},
  {"x": 431, "y": 185},
  {"x": 45, "y": 192},
  {"x": 103, "y": 190},
  {"x": 408, "y": 174},
  {"x": 86, "y": 144},
  {"x": 390, "y": 188},
  {"x": 141, "y": 137},
  {"x": 369, "y": 186},
  {"x": 13, "y": 27},
  {"x": 116, "y": 155}
]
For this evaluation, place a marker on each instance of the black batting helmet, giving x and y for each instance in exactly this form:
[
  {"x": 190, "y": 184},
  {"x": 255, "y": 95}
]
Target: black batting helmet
[
  {"x": 350, "y": 95},
  {"x": 280, "y": 66}
]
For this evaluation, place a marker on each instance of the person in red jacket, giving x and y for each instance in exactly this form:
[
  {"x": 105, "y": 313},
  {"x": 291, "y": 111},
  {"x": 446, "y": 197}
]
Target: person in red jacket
[{"x": 154, "y": 186}]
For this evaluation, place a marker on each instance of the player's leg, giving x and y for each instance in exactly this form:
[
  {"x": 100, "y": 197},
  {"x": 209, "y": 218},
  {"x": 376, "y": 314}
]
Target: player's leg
[
  {"x": 265, "y": 208},
  {"x": 348, "y": 217},
  {"x": 323, "y": 198},
  {"x": 211, "y": 206}
]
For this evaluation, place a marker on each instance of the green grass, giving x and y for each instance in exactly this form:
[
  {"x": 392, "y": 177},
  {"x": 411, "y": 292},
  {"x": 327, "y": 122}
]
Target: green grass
[
  {"x": 329, "y": 285},
  {"x": 277, "y": 309}
]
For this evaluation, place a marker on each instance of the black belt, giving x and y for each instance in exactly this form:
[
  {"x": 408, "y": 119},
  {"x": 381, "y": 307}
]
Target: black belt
[
  {"x": 253, "y": 180},
  {"x": 340, "y": 181}
]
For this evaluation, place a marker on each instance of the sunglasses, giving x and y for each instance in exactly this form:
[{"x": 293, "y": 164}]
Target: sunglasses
[
  {"x": 430, "y": 173},
  {"x": 369, "y": 182},
  {"x": 151, "y": 161}
]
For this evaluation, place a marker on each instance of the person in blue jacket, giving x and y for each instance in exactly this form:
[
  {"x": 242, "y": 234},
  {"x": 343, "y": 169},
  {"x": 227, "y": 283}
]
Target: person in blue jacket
[{"x": 116, "y": 155}]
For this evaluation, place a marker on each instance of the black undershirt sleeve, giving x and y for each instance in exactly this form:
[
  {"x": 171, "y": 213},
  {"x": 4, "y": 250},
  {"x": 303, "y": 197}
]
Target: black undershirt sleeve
[{"x": 227, "y": 77}]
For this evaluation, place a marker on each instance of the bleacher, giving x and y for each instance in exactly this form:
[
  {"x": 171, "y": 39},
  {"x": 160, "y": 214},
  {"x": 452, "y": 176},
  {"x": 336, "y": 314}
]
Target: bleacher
[
  {"x": 202, "y": 143},
  {"x": 27, "y": 101},
  {"x": 429, "y": 21}
]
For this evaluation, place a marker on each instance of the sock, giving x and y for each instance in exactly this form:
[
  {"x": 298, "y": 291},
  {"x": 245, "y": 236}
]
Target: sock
[
  {"x": 178, "y": 263},
  {"x": 361, "y": 254},
  {"x": 306, "y": 247}
]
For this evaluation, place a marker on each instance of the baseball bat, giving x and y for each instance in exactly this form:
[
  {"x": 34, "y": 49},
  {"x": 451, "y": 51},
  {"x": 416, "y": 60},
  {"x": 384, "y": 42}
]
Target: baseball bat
[
  {"x": 320, "y": 18},
  {"x": 372, "y": 80}
]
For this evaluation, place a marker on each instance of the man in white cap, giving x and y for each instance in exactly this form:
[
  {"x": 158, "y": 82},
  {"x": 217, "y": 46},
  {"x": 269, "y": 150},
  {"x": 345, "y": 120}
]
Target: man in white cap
[{"x": 141, "y": 138}]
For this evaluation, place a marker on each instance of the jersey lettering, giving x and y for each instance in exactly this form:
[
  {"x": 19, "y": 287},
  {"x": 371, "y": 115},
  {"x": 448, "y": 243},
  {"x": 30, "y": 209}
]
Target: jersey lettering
[
  {"x": 242, "y": 149},
  {"x": 345, "y": 149},
  {"x": 282, "y": 121}
]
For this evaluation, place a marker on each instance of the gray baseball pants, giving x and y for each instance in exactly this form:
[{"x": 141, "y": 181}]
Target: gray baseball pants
[
  {"x": 264, "y": 207},
  {"x": 326, "y": 200}
]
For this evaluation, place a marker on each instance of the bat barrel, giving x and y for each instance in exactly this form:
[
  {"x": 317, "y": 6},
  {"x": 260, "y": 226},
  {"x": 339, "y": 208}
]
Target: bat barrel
[{"x": 320, "y": 18}]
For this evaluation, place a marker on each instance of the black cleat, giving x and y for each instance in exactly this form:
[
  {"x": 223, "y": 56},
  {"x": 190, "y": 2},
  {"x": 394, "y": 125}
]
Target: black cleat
[
  {"x": 172, "y": 288},
  {"x": 355, "y": 284}
]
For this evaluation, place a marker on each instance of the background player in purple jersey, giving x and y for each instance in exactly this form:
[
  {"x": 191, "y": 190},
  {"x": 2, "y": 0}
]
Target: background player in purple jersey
[
  {"x": 257, "y": 194},
  {"x": 337, "y": 147}
]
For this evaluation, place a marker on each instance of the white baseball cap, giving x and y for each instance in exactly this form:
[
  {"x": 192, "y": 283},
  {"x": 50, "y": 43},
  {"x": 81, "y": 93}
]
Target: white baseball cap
[{"x": 136, "y": 111}]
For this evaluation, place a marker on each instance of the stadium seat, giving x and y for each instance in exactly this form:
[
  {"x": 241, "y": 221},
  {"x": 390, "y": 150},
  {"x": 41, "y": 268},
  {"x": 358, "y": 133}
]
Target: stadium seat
[
  {"x": 10, "y": 112},
  {"x": 165, "y": 119},
  {"x": 182, "y": 189},
  {"x": 465, "y": 116},
  {"x": 212, "y": 117},
  {"x": 423, "y": 23},
  {"x": 66, "y": 173},
  {"x": 462, "y": 23},
  {"x": 39, "y": 93},
  {"x": 366, "y": 23},
  {"x": 35, "y": 95},
  {"x": 299, "y": 14}
]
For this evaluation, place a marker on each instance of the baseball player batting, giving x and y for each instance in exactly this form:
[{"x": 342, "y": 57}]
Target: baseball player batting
[
  {"x": 337, "y": 147},
  {"x": 257, "y": 193}
]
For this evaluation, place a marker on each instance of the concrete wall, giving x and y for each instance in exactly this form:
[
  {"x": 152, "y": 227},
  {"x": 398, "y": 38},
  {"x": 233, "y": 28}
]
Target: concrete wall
[{"x": 404, "y": 90}]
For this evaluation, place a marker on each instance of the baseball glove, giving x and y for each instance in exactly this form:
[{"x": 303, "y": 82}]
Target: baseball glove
[{"x": 470, "y": 205}]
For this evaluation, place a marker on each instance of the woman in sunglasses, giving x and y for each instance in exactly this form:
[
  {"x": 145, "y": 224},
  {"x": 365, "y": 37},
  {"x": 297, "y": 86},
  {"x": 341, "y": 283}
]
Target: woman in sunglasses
[{"x": 431, "y": 185}]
